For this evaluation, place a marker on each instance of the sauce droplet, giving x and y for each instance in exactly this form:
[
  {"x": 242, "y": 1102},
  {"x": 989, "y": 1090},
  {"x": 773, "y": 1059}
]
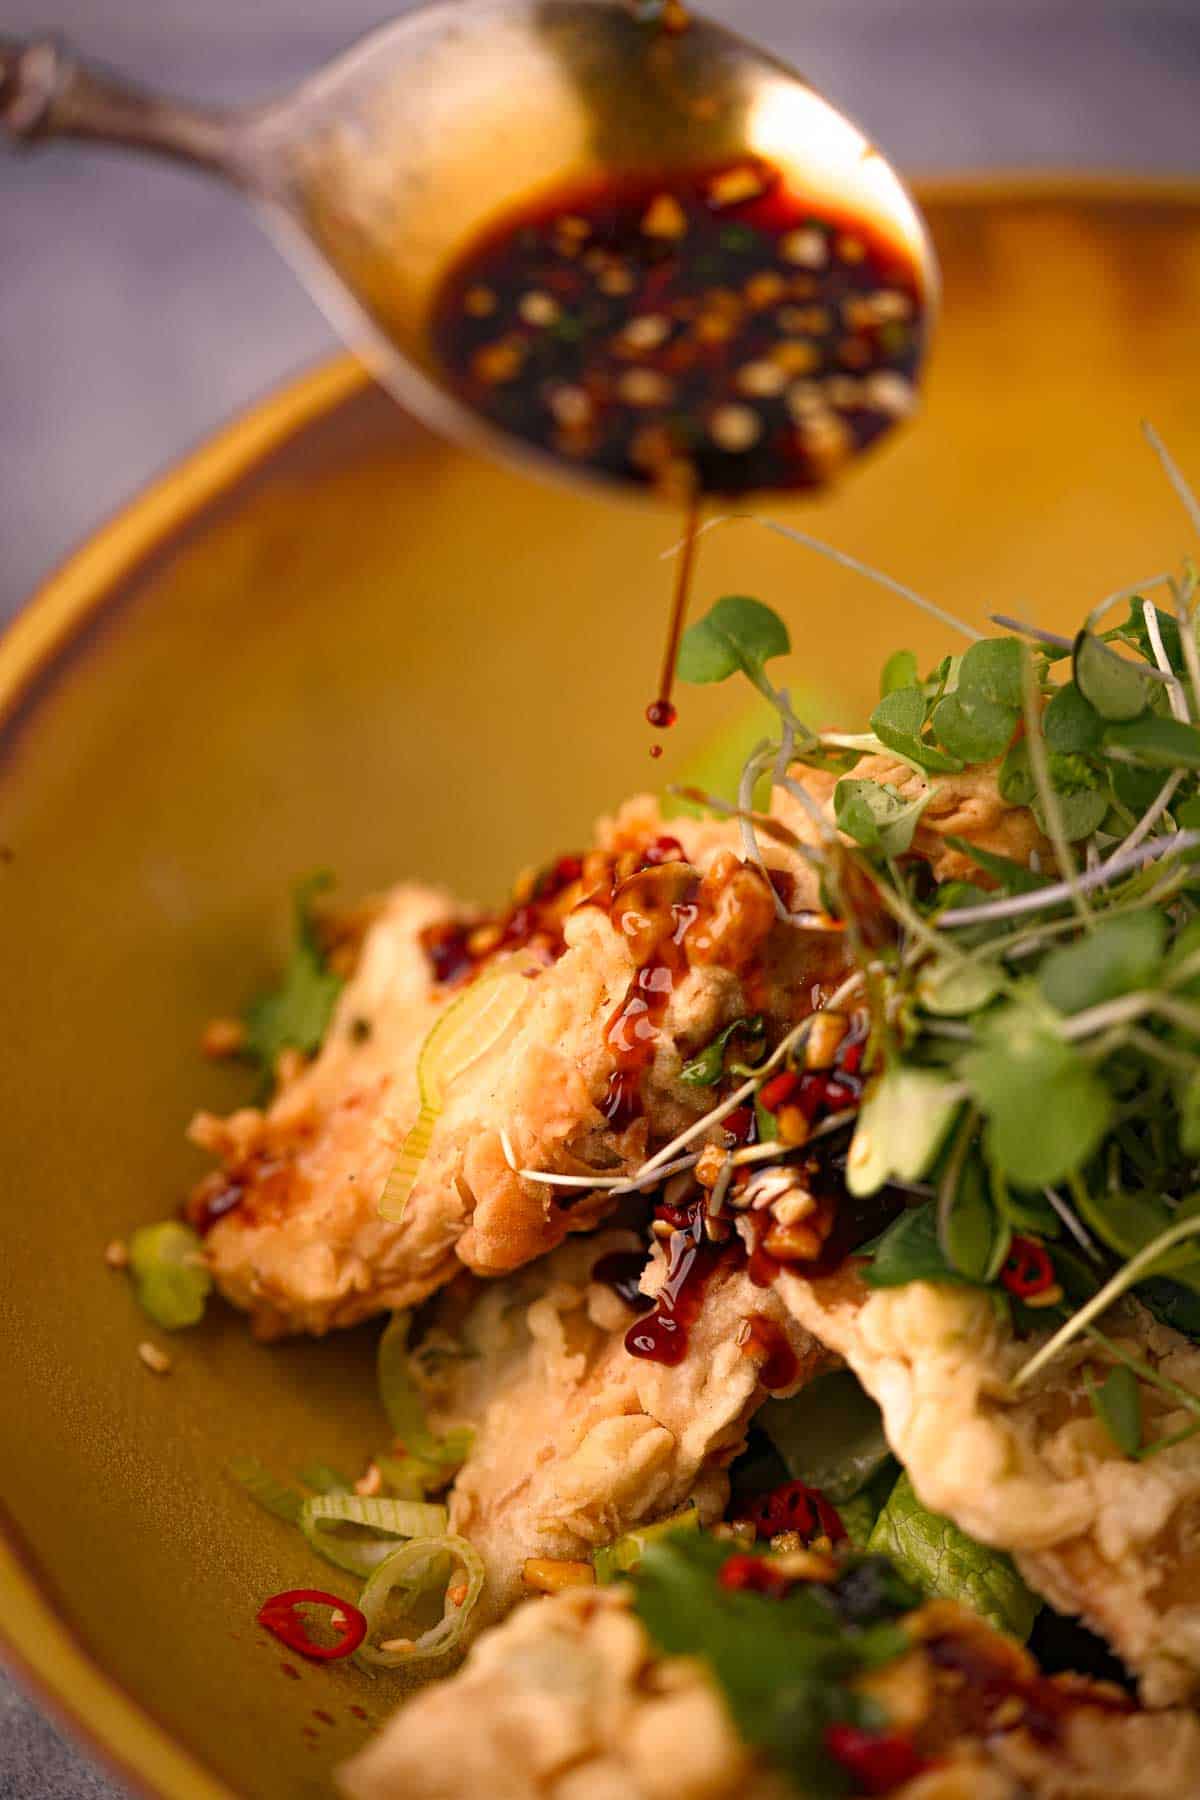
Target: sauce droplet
[{"x": 656, "y": 749}]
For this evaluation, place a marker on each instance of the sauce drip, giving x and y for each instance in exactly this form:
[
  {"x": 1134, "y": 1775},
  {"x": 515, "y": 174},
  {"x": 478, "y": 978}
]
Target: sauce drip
[
  {"x": 768, "y": 1340},
  {"x": 662, "y": 1336},
  {"x": 622, "y": 1271},
  {"x": 661, "y": 712}
]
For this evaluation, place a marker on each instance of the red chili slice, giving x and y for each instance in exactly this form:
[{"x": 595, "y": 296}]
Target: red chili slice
[
  {"x": 796, "y": 1507},
  {"x": 739, "y": 1124},
  {"x": 662, "y": 850},
  {"x": 744, "y": 1573},
  {"x": 879, "y": 1761},
  {"x": 778, "y": 1091},
  {"x": 279, "y": 1616},
  {"x": 1027, "y": 1268}
]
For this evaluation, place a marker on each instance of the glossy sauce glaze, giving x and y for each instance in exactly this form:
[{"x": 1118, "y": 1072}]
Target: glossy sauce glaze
[{"x": 698, "y": 331}]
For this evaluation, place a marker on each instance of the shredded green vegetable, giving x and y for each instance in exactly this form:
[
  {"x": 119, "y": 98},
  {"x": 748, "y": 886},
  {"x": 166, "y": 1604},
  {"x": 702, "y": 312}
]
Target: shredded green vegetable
[
  {"x": 283, "y": 1502},
  {"x": 407, "y": 1569},
  {"x": 428, "y": 1460},
  {"x": 170, "y": 1276},
  {"x": 374, "y": 1524},
  {"x": 626, "y": 1552}
]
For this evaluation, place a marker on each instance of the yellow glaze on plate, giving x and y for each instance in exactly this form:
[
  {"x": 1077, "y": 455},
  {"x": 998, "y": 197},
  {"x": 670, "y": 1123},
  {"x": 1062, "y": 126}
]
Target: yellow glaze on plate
[{"x": 328, "y": 639}]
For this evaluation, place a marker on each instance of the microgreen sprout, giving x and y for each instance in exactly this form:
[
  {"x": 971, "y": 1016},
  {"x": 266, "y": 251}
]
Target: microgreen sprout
[{"x": 1035, "y": 1023}]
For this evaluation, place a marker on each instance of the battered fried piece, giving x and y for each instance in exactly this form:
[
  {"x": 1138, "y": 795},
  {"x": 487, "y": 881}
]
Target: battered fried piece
[
  {"x": 967, "y": 805},
  {"x": 576, "y": 1440},
  {"x": 569, "y": 1701},
  {"x": 654, "y": 961},
  {"x": 1114, "y": 1540}
]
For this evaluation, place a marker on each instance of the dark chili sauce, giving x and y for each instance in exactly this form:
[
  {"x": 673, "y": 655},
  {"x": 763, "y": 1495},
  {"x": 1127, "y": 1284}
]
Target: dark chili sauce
[{"x": 703, "y": 330}]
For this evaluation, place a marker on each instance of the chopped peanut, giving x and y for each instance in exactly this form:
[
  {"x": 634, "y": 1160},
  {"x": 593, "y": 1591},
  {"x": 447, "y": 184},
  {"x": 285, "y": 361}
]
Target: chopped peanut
[
  {"x": 116, "y": 1255},
  {"x": 824, "y": 1037},
  {"x": 371, "y": 1483},
  {"x": 222, "y": 1037},
  {"x": 664, "y": 218},
  {"x": 155, "y": 1359},
  {"x": 547, "y": 1575}
]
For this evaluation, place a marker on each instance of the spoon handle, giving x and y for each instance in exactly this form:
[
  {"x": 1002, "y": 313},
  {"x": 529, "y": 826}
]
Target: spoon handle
[{"x": 45, "y": 92}]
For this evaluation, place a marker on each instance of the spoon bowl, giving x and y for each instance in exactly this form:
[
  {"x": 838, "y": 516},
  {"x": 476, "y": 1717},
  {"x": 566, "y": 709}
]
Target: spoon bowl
[{"x": 376, "y": 171}]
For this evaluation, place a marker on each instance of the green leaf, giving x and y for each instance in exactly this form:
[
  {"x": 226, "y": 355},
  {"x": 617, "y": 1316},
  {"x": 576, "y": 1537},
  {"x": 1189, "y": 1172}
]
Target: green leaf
[
  {"x": 949, "y": 1565},
  {"x": 1046, "y": 1109},
  {"x": 737, "y": 633},
  {"x": 951, "y": 989},
  {"x": 1112, "y": 684},
  {"x": 296, "y": 1014},
  {"x": 1172, "y": 1304},
  {"x": 1136, "y": 788},
  {"x": 1157, "y": 743},
  {"x": 877, "y": 816},
  {"x": 1070, "y": 723},
  {"x": 782, "y": 1664},
  {"x": 898, "y": 721},
  {"x": 1133, "y": 631},
  {"x": 707, "y": 1069},
  {"x": 1011, "y": 877},
  {"x": 991, "y": 670},
  {"x": 974, "y": 1241},
  {"x": 899, "y": 671},
  {"x": 909, "y": 1250},
  {"x": 1080, "y": 812},
  {"x": 972, "y": 726},
  {"x": 1117, "y": 957},
  {"x": 902, "y": 1123},
  {"x": 1015, "y": 780},
  {"x": 170, "y": 1276},
  {"x": 1117, "y": 1404},
  {"x": 829, "y": 1435}
]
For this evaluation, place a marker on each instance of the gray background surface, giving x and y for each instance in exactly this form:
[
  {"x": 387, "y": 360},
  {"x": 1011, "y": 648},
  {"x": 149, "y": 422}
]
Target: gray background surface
[{"x": 140, "y": 306}]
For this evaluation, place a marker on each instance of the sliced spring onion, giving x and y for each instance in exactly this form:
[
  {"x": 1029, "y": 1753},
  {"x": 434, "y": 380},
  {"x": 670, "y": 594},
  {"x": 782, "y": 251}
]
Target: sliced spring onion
[
  {"x": 626, "y": 1552},
  {"x": 384, "y": 1519},
  {"x": 265, "y": 1491},
  {"x": 427, "y": 1458},
  {"x": 408, "y": 1568},
  {"x": 470, "y": 1026},
  {"x": 324, "y": 1480},
  {"x": 170, "y": 1276}
]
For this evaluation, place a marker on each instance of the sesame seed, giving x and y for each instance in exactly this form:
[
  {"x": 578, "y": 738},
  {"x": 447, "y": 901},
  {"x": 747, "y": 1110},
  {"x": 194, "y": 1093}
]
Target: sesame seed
[
  {"x": 537, "y": 308},
  {"x": 571, "y": 406},
  {"x": 735, "y": 427},
  {"x": 398, "y": 1646},
  {"x": 479, "y": 302},
  {"x": 155, "y": 1359},
  {"x": 371, "y": 1483},
  {"x": 844, "y": 392},
  {"x": 808, "y": 249},
  {"x": 889, "y": 304},
  {"x": 116, "y": 1255},
  {"x": 889, "y": 393},
  {"x": 761, "y": 379},
  {"x": 646, "y": 332},
  {"x": 644, "y": 387},
  {"x": 803, "y": 399}
]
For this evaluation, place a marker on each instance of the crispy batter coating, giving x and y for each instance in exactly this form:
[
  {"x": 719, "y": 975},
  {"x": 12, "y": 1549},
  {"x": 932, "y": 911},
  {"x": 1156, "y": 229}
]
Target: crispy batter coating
[
  {"x": 1114, "y": 1540},
  {"x": 302, "y": 1247},
  {"x": 576, "y": 1440},
  {"x": 568, "y": 1701}
]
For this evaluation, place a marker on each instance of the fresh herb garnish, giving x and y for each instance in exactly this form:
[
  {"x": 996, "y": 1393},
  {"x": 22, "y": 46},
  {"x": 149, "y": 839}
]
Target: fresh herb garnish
[
  {"x": 296, "y": 1014},
  {"x": 783, "y": 1663},
  {"x": 1035, "y": 1032},
  {"x": 945, "y": 1563},
  {"x": 707, "y": 1069}
]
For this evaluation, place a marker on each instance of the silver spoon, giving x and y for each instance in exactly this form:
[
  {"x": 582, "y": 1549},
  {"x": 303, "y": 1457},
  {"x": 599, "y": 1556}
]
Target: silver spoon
[{"x": 378, "y": 169}]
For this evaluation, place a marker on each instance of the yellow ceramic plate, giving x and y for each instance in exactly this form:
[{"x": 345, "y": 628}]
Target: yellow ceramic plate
[{"x": 328, "y": 639}]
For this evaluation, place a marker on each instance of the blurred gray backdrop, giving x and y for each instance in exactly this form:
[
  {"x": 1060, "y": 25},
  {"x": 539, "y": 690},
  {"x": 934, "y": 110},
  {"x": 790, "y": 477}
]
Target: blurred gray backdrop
[{"x": 140, "y": 306}]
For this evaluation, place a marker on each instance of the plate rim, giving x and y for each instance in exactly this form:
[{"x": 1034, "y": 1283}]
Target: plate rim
[{"x": 40, "y": 1647}]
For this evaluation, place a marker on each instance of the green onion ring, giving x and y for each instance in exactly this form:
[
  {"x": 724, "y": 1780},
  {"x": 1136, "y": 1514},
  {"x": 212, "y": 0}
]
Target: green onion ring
[
  {"x": 405, "y": 1568},
  {"x": 387, "y": 1518}
]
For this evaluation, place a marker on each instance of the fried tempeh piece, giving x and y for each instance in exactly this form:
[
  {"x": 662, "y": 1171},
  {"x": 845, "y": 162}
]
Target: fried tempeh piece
[
  {"x": 576, "y": 1440},
  {"x": 1114, "y": 1540},
  {"x": 297, "y": 1239},
  {"x": 568, "y": 1700}
]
